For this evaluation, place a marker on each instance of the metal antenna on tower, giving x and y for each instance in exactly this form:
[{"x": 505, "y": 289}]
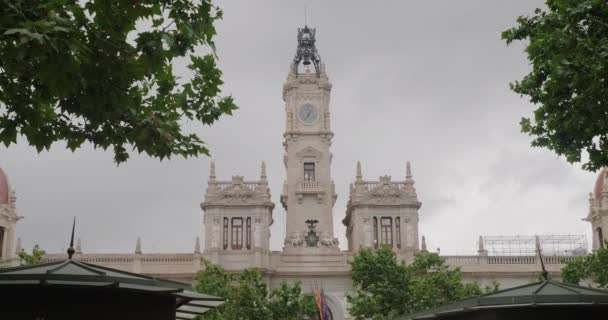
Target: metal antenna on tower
[{"x": 305, "y": 16}]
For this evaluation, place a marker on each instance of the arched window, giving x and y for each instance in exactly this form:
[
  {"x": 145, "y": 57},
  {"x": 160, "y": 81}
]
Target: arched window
[
  {"x": 225, "y": 235},
  {"x": 248, "y": 233},
  {"x": 375, "y": 233},
  {"x": 600, "y": 237}
]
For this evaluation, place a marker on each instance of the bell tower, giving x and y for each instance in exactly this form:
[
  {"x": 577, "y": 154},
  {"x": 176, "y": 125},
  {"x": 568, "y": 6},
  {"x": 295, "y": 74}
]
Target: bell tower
[{"x": 308, "y": 192}]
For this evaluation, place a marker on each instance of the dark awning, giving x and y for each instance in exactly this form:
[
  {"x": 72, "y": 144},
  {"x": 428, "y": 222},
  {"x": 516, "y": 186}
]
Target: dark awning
[
  {"x": 74, "y": 273},
  {"x": 545, "y": 293}
]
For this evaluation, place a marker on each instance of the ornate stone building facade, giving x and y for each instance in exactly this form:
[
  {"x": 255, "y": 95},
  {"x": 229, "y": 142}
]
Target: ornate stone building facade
[
  {"x": 238, "y": 213},
  {"x": 8, "y": 219},
  {"x": 598, "y": 210}
]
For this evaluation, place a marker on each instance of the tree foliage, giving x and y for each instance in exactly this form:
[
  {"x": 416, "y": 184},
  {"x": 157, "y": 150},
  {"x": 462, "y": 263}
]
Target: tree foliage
[
  {"x": 27, "y": 259},
  {"x": 102, "y": 72},
  {"x": 567, "y": 46},
  {"x": 385, "y": 287},
  {"x": 592, "y": 267},
  {"x": 248, "y": 298}
]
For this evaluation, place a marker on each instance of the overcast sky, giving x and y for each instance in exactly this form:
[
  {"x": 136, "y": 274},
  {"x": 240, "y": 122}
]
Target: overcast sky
[{"x": 425, "y": 81}]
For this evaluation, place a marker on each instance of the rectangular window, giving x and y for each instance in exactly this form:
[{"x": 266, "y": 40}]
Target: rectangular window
[
  {"x": 375, "y": 233},
  {"x": 248, "y": 234},
  {"x": 398, "y": 232},
  {"x": 309, "y": 171},
  {"x": 386, "y": 231},
  {"x": 225, "y": 235},
  {"x": 1, "y": 241},
  {"x": 237, "y": 233}
]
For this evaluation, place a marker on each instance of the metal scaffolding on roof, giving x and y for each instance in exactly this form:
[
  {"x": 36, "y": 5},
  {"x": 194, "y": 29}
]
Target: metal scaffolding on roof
[{"x": 551, "y": 245}]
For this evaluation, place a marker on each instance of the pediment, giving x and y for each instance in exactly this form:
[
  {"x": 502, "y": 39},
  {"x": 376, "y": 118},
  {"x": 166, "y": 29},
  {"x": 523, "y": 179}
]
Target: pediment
[
  {"x": 308, "y": 152},
  {"x": 385, "y": 192},
  {"x": 237, "y": 194}
]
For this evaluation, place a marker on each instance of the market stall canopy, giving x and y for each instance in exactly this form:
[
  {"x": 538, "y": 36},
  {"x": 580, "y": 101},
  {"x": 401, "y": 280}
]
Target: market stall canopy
[
  {"x": 45, "y": 283},
  {"x": 523, "y": 302}
]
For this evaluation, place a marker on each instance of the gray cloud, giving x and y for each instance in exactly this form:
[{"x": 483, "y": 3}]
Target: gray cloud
[{"x": 425, "y": 81}]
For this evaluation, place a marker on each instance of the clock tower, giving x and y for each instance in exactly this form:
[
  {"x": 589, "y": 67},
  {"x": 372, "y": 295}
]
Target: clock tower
[{"x": 308, "y": 192}]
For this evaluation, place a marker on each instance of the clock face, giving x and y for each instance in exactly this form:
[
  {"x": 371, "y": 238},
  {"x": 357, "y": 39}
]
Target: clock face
[{"x": 308, "y": 113}]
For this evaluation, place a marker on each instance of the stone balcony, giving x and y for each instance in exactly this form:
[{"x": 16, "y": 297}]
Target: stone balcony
[{"x": 309, "y": 187}]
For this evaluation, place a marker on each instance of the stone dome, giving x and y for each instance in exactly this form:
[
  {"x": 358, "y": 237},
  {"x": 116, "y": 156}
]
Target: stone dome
[
  {"x": 599, "y": 183},
  {"x": 4, "y": 188}
]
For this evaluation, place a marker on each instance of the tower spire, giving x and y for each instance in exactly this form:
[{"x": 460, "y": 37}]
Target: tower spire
[
  {"x": 263, "y": 171},
  {"x": 423, "y": 245},
  {"x": 482, "y": 250},
  {"x": 359, "y": 174},
  {"x": 78, "y": 246},
  {"x": 408, "y": 171},
  {"x": 138, "y": 246},
  {"x": 197, "y": 246},
  {"x": 212, "y": 171}
]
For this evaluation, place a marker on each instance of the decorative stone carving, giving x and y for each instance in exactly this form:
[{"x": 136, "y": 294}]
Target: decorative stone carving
[
  {"x": 257, "y": 233},
  {"x": 326, "y": 240},
  {"x": 237, "y": 192},
  {"x": 409, "y": 234},
  {"x": 311, "y": 238},
  {"x": 294, "y": 240},
  {"x": 368, "y": 232},
  {"x": 309, "y": 152},
  {"x": 385, "y": 192},
  {"x": 215, "y": 233}
]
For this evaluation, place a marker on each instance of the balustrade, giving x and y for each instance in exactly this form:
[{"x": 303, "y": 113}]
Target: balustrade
[{"x": 514, "y": 260}]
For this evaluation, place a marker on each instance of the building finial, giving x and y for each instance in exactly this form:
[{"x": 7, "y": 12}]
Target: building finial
[
  {"x": 263, "y": 171},
  {"x": 71, "y": 248},
  {"x": 138, "y": 246},
  {"x": 482, "y": 250},
  {"x": 18, "y": 248},
  {"x": 12, "y": 198},
  {"x": 359, "y": 174},
  {"x": 212, "y": 171},
  {"x": 423, "y": 246},
  {"x": 78, "y": 246},
  {"x": 197, "y": 246},
  {"x": 408, "y": 171},
  {"x": 306, "y": 52}
]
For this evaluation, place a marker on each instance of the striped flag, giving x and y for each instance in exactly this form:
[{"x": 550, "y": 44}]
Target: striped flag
[
  {"x": 324, "y": 307},
  {"x": 319, "y": 302}
]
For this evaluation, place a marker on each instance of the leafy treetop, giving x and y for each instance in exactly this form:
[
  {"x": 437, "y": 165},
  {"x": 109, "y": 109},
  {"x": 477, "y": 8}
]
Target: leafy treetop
[
  {"x": 248, "y": 298},
  {"x": 567, "y": 46},
  {"x": 386, "y": 288},
  {"x": 592, "y": 267},
  {"x": 102, "y": 72}
]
